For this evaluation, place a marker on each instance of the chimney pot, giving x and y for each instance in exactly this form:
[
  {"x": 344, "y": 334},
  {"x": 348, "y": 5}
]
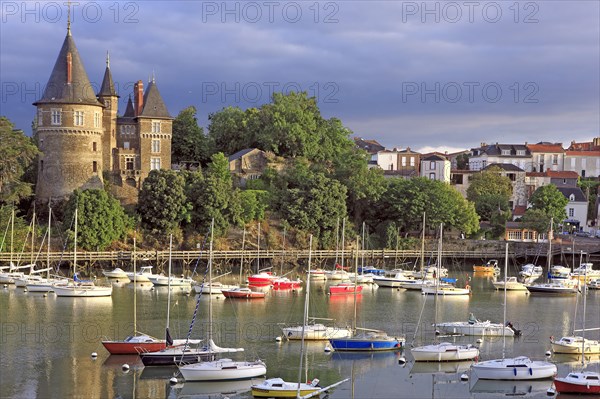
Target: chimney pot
[{"x": 138, "y": 93}]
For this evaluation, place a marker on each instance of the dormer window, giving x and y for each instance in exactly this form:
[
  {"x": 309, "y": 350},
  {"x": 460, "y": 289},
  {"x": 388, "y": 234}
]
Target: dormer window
[
  {"x": 572, "y": 197},
  {"x": 521, "y": 152},
  {"x": 505, "y": 152},
  {"x": 155, "y": 126}
]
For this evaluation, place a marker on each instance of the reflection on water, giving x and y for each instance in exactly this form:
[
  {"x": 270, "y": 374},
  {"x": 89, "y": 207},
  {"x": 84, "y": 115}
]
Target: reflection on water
[
  {"x": 214, "y": 389},
  {"x": 52, "y": 339},
  {"x": 511, "y": 388},
  {"x": 440, "y": 367}
]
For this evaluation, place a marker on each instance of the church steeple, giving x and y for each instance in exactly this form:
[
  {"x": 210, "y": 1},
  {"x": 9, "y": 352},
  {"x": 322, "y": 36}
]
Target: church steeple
[{"x": 108, "y": 86}]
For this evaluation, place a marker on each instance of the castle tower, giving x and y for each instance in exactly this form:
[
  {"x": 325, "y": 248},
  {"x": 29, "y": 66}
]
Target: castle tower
[
  {"x": 109, "y": 98},
  {"x": 69, "y": 128}
]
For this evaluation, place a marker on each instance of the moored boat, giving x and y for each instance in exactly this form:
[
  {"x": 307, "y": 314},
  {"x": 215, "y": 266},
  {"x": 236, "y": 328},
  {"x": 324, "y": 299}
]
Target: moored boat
[
  {"x": 477, "y": 327},
  {"x": 284, "y": 283},
  {"x": 367, "y": 340},
  {"x": 490, "y": 267},
  {"x": 222, "y": 370},
  {"x": 161, "y": 280},
  {"x": 516, "y": 368},
  {"x": 115, "y": 273},
  {"x": 444, "y": 352},
  {"x": 261, "y": 279},
  {"x": 243, "y": 293},
  {"x": 345, "y": 289},
  {"x": 511, "y": 284},
  {"x": 575, "y": 345},
  {"x": 393, "y": 282},
  {"x": 583, "y": 382},
  {"x": 557, "y": 289},
  {"x": 214, "y": 288},
  {"x": 141, "y": 276}
]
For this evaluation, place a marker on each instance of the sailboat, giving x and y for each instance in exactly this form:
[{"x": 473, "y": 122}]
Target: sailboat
[
  {"x": 516, "y": 368},
  {"x": 558, "y": 287},
  {"x": 137, "y": 342},
  {"x": 364, "y": 339},
  {"x": 221, "y": 369},
  {"x": 577, "y": 344},
  {"x": 77, "y": 287},
  {"x": 277, "y": 387},
  {"x": 444, "y": 351}
]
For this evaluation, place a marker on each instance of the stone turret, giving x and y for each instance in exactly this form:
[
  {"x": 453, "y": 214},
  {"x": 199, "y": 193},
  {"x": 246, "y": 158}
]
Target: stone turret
[
  {"x": 109, "y": 98},
  {"x": 69, "y": 129}
]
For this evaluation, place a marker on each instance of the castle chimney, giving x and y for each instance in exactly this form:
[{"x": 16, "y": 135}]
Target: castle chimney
[
  {"x": 138, "y": 93},
  {"x": 69, "y": 68}
]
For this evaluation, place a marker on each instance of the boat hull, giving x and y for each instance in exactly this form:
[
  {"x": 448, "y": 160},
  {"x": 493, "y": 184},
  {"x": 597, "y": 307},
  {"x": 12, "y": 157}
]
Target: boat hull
[
  {"x": 479, "y": 329},
  {"x": 160, "y": 359},
  {"x": 277, "y": 388},
  {"x": 365, "y": 345},
  {"x": 223, "y": 370},
  {"x": 514, "y": 369},
  {"x": 345, "y": 289},
  {"x": 573, "y": 346},
  {"x": 546, "y": 289},
  {"x": 82, "y": 291},
  {"x": 316, "y": 332},
  {"x": 433, "y": 353},
  {"x": 577, "y": 383},
  {"x": 131, "y": 348},
  {"x": 234, "y": 294}
]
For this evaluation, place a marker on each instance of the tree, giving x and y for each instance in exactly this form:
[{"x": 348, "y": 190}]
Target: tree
[
  {"x": 101, "y": 219},
  {"x": 551, "y": 201},
  {"x": 490, "y": 192},
  {"x": 537, "y": 220},
  {"x": 189, "y": 142},
  {"x": 17, "y": 152},
  {"x": 232, "y": 129},
  {"x": 162, "y": 203},
  {"x": 462, "y": 161},
  {"x": 253, "y": 204}
]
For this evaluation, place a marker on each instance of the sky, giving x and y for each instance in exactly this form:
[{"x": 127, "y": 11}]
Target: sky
[{"x": 426, "y": 75}]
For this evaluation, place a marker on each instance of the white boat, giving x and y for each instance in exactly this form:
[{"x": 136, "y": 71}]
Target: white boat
[
  {"x": 223, "y": 369},
  {"x": 143, "y": 276},
  {"x": 214, "y": 288},
  {"x": 393, "y": 282},
  {"x": 585, "y": 271},
  {"x": 444, "y": 352},
  {"x": 32, "y": 277},
  {"x": 517, "y": 368},
  {"x": 476, "y": 327},
  {"x": 47, "y": 285},
  {"x": 594, "y": 285},
  {"x": 445, "y": 290},
  {"x": 575, "y": 345},
  {"x": 315, "y": 332},
  {"x": 162, "y": 280},
  {"x": 511, "y": 284},
  {"x": 559, "y": 272},
  {"x": 363, "y": 278},
  {"x": 116, "y": 273},
  {"x": 317, "y": 275},
  {"x": 582, "y": 382},
  {"x": 531, "y": 271},
  {"x": 556, "y": 288}
]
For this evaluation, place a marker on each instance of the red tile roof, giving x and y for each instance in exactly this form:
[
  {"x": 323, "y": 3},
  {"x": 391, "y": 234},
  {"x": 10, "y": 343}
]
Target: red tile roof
[
  {"x": 584, "y": 153},
  {"x": 562, "y": 174},
  {"x": 546, "y": 147}
]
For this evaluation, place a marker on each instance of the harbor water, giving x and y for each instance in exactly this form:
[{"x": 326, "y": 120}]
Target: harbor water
[{"x": 47, "y": 341}]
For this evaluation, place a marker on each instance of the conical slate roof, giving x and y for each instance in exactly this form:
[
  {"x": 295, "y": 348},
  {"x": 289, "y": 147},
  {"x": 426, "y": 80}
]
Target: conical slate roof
[
  {"x": 108, "y": 86},
  {"x": 154, "y": 106},
  {"x": 129, "y": 112},
  {"x": 79, "y": 91}
]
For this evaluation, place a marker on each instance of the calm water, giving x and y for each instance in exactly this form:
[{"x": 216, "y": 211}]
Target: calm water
[{"x": 46, "y": 342}]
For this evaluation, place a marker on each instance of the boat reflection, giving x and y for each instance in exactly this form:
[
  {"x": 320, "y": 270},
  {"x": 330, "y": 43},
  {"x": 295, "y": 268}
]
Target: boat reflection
[
  {"x": 440, "y": 367},
  {"x": 214, "y": 388},
  {"x": 511, "y": 388},
  {"x": 362, "y": 362},
  {"x": 115, "y": 362},
  {"x": 574, "y": 360},
  {"x": 159, "y": 373}
]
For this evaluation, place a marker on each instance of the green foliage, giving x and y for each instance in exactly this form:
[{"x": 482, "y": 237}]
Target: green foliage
[
  {"x": 232, "y": 129},
  {"x": 537, "y": 220},
  {"x": 101, "y": 219},
  {"x": 162, "y": 204},
  {"x": 462, "y": 161},
  {"x": 17, "y": 153},
  {"x": 490, "y": 192},
  {"x": 551, "y": 201},
  {"x": 405, "y": 201},
  {"x": 189, "y": 142},
  {"x": 20, "y": 230},
  {"x": 253, "y": 203},
  {"x": 309, "y": 200},
  {"x": 590, "y": 187}
]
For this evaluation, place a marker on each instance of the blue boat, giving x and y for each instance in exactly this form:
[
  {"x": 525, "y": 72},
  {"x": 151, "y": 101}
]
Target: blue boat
[
  {"x": 372, "y": 270},
  {"x": 368, "y": 341}
]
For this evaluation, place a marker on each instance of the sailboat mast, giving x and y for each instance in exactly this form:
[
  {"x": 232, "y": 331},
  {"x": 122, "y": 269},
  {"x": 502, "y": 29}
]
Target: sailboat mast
[
  {"x": 423, "y": 248},
  {"x": 363, "y": 248},
  {"x": 75, "y": 246},
  {"x": 169, "y": 283},
  {"x": 355, "y": 282},
  {"x": 504, "y": 316},
  {"x": 242, "y": 258},
  {"x": 12, "y": 234},
  {"x": 134, "y": 290},
  {"x": 584, "y": 293},
  {"x": 32, "y": 235},
  {"x": 210, "y": 261},
  {"x": 282, "y": 253},
  {"x": 48, "y": 251},
  {"x": 257, "y": 250},
  {"x": 306, "y": 299},
  {"x": 337, "y": 239},
  {"x": 550, "y": 247},
  {"x": 343, "y": 240}
]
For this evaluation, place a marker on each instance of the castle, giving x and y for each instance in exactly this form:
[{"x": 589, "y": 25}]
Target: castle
[{"x": 83, "y": 140}]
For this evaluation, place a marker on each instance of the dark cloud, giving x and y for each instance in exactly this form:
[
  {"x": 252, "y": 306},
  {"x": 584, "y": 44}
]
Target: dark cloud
[{"x": 404, "y": 73}]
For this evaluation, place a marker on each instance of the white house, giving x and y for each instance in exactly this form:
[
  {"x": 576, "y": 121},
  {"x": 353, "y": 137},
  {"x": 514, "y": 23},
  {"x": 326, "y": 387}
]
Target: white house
[
  {"x": 577, "y": 209},
  {"x": 435, "y": 167}
]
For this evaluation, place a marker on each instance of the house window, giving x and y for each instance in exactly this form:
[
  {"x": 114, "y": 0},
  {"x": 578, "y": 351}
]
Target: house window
[
  {"x": 512, "y": 176},
  {"x": 432, "y": 176},
  {"x": 571, "y": 198},
  {"x": 403, "y": 161},
  {"x": 555, "y": 159},
  {"x": 56, "y": 117},
  {"x": 412, "y": 161},
  {"x": 432, "y": 165},
  {"x": 521, "y": 152},
  {"x": 94, "y": 146},
  {"x": 505, "y": 152},
  {"x": 40, "y": 117},
  {"x": 129, "y": 163},
  {"x": 582, "y": 172},
  {"x": 126, "y": 145},
  {"x": 154, "y": 163},
  {"x": 42, "y": 165},
  {"x": 78, "y": 118},
  {"x": 97, "y": 119},
  {"x": 571, "y": 212},
  {"x": 94, "y": 167},
  {"x": 155, "y": 146},
  {"x": 155, "y": 126}
]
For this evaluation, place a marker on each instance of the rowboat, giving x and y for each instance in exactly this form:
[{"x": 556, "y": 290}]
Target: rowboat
[{"x": 243, "y": 293}]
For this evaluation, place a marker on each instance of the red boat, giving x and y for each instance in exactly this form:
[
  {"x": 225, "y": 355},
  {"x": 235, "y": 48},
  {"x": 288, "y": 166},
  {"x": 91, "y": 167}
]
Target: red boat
[
  {"x": 135, "y": 344},
  {"x": 261, "y": 279},
  {"x": 243, "y": 293},
  {"x": 284, "y": 283},
  {"x": 345, "y": 288},
  {"x": 583, "y": 382}
]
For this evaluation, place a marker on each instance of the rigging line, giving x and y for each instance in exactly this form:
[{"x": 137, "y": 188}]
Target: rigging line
[
  {"x": 5, "y": 234},
  {"x": 200, "y": 255},
  {"x": 66, "y": 241},
  {"x": 419, "y": 322}
]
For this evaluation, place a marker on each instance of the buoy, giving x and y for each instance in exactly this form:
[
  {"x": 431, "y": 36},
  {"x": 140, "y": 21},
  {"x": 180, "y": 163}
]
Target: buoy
[
  {"x": 94, "y": 355},
  {"x": 551, "y": 391},
  {"x": 327, "y": 348},
  {"x": 464, "y": 377},
  {"x": 45, "y": 295},
  {"x": 125, "y": 367},
  {"x": 402, "y": 360},
  {"x": 5, "y": 285},
  {"x": 151, "y": 288},
  {"x": 278, "y": 339},
  {"x": 548, "y": 353},
  {"x": 173, "y": 380},
  {"x": 479, "y": 340},
  {"x": 25, "y": 290}
]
